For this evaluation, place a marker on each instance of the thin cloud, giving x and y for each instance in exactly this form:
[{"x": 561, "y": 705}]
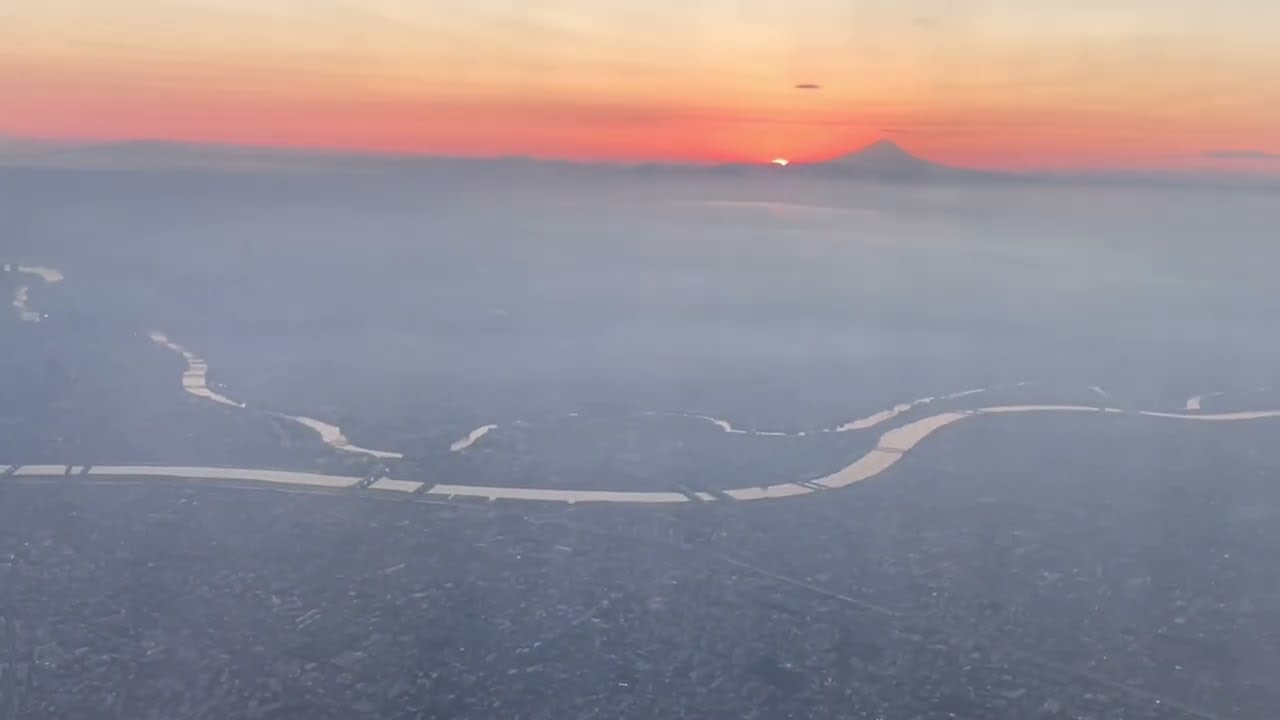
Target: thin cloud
[
  {"x": 808, "y": 86},
  {"x": 1260, "y": 155}
]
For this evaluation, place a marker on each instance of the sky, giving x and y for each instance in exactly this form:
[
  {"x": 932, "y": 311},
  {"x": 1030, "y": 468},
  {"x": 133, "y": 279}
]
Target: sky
[{"x": 982, "y": 83}]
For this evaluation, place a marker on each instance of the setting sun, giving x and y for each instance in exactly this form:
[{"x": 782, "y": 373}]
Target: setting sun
[{"x": 782, "y": 162}]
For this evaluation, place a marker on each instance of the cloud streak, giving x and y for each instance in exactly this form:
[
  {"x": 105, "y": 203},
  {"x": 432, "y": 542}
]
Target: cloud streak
[{"x": 1252, "y": 155}]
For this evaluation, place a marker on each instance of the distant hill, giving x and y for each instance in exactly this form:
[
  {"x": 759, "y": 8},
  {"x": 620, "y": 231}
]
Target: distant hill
[
  {"x": 165, "y": 155},
  {"x": 170, "y": 156}
]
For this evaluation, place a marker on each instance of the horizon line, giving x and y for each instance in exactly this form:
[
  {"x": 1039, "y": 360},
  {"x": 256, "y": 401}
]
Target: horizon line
[
  {"x": 51, "y": 143},
  {"x": 365, "y": 151}
]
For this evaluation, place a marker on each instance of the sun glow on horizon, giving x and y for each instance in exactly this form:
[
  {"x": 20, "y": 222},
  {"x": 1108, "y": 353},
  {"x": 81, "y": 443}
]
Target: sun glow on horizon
[{"x": 988, "y": 84}]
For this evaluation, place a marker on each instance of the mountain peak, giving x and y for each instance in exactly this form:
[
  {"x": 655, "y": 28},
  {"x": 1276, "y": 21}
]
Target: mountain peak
[
  {"x": 884, "y": 146},
  {"x": 881, "y": 155}
]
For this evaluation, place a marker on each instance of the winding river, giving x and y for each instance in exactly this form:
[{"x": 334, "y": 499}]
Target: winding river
[{"x": 891, "y": 446}]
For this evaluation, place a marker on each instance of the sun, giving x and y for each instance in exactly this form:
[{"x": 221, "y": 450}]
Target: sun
[{"x": 780, "y": 162}]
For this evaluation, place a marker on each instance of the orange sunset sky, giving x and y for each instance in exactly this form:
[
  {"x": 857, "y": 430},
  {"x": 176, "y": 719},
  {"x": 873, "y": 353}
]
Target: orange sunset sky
[{"x": 984, "y": 83}]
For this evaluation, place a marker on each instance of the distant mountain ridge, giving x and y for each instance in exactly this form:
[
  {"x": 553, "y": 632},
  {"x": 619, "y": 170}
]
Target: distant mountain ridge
[
  {"x": 884, "y": 157},
  {"x": 880, "y": 160}
]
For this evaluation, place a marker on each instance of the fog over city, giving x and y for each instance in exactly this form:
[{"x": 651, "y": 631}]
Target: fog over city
[{"x": 290, "y": 434}]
